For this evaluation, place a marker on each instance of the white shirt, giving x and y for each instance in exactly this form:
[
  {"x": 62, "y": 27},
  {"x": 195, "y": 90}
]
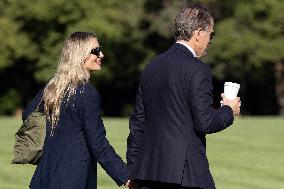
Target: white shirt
[{"x": 187, "y": 46}]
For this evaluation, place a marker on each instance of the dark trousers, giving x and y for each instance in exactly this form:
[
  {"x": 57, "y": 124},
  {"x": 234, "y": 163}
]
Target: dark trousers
[{"x": 142, "y": 184}]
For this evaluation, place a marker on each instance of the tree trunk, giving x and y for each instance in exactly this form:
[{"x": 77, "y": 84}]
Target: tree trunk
[{"x": 279, "y": 74}]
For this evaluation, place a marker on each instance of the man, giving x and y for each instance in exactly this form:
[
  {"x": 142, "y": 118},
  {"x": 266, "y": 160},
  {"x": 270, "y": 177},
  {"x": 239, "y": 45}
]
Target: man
[{"x": 166, "y": 147}]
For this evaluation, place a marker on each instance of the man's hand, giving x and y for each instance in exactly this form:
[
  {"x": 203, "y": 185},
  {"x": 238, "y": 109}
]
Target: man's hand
[{"x": 235, "y": 104}]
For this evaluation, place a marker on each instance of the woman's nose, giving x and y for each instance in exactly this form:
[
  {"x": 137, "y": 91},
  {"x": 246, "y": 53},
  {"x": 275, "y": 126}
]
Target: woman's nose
[{"x": 101, "y": 54}]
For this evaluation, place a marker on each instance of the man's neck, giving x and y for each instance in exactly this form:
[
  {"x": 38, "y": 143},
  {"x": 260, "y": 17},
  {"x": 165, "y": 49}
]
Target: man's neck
[{"x": 188, "y": 46}]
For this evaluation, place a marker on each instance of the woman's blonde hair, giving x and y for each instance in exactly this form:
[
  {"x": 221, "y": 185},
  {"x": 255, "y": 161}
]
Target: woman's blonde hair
[{"x": 70, "y": 72}]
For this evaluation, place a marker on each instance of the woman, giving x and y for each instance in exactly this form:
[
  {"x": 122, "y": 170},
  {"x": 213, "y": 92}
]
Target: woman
[{"x": 75, "y": 135}]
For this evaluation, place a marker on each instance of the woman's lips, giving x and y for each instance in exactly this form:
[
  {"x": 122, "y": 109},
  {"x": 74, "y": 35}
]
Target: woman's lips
[{"x": 99, "y": 62}]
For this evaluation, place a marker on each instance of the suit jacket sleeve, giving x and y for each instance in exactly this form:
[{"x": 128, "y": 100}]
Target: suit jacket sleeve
[
  {"x": 206, "y": 119},
  {"x": 95, "y": 135},
  {"x": 136, "y": 126}
]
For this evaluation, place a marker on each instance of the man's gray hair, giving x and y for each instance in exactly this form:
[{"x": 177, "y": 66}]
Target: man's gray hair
[{"x": 191, "y": 19}]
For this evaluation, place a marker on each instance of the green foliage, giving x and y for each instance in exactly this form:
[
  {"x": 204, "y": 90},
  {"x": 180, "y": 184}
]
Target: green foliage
[
  {"x": 12, "y": 43},
  {"x": 248, "y": 39},
  {"x": 9, "y": 102},
  {"x": 47, "y": 23},
  {"x": 34, "y": 37},
  {"x": 249, "y": 36}
]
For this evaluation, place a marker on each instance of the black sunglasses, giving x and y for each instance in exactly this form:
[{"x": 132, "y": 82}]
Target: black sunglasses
[
  {"x": 96, "y": 51},
  {"x": 212, "y": 35}
]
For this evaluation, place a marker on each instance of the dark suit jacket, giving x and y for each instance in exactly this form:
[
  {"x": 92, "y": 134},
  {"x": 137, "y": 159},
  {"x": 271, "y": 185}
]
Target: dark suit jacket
[
  {"x": 70, "y": 157},
  {"x": 173, "y": 114}
]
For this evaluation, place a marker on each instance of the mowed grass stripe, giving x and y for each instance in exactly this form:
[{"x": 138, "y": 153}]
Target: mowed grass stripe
[{"x": 248, "y": 155}]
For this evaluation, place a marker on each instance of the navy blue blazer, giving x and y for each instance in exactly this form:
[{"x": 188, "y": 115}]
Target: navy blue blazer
[
  {"x": 173, "y": 113},
  {"x": 69, "y": 159}
]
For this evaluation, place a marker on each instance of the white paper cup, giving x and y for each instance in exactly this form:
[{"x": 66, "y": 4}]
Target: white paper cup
[{"x": 231, "y": 90}]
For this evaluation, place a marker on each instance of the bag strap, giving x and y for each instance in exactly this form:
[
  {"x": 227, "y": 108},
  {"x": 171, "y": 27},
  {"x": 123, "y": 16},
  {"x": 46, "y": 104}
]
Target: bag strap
[{"x": 39, "y": 104}]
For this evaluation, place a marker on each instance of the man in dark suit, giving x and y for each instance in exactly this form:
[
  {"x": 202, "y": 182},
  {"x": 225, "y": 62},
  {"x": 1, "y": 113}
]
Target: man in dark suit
[{"x": 166, "y": 147}]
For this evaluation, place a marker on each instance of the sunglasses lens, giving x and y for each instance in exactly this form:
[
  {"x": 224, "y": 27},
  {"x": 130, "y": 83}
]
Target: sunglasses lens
[
  {"x": 96, "y": 51},
  {"x": 212, "y": 35}
]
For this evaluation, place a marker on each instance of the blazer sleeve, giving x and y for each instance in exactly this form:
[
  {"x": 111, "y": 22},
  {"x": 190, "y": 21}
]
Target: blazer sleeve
[
  {"x": 206, "y": 119},
  {"x": 136, "y": 126},
  {"x": 95, "y": 136}
]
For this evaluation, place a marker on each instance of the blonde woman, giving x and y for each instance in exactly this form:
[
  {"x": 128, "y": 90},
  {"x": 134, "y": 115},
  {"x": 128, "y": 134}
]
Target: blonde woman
[{"x": 75, "y": 135}]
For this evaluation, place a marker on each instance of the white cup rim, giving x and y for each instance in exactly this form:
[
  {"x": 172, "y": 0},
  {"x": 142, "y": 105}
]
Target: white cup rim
[{"x": 231, "y": 84}]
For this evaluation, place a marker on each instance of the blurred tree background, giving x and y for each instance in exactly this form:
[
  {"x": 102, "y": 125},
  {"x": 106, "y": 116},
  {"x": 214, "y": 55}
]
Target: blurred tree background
[{"x": 247, "y": 48}]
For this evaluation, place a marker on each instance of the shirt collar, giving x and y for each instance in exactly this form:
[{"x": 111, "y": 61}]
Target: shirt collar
[{"x": 187, "y": 46}]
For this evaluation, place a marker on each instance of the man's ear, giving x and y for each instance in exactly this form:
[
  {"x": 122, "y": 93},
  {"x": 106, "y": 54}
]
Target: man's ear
[{"x": 196, "y": 34}]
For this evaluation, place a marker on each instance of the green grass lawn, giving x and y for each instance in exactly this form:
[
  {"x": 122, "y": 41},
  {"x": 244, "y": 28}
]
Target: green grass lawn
[{"x": 248, "y": 155}]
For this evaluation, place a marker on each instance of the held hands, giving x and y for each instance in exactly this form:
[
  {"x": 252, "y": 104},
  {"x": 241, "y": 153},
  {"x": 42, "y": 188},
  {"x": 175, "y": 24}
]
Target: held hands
[
  {"x": 130, "y": 184},
  {"x": 235, "y": 104}
]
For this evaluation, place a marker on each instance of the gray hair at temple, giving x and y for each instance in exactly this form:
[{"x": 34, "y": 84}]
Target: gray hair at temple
[{"x": 191, "y": 19}]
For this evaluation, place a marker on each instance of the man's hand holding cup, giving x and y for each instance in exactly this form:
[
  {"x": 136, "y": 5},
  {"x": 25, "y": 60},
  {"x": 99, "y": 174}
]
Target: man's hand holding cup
[{"x": 229, "y": 97}]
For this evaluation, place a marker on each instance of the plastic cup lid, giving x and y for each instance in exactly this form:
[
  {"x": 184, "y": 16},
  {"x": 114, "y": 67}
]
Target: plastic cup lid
[{"x": 233, "y": 84}]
